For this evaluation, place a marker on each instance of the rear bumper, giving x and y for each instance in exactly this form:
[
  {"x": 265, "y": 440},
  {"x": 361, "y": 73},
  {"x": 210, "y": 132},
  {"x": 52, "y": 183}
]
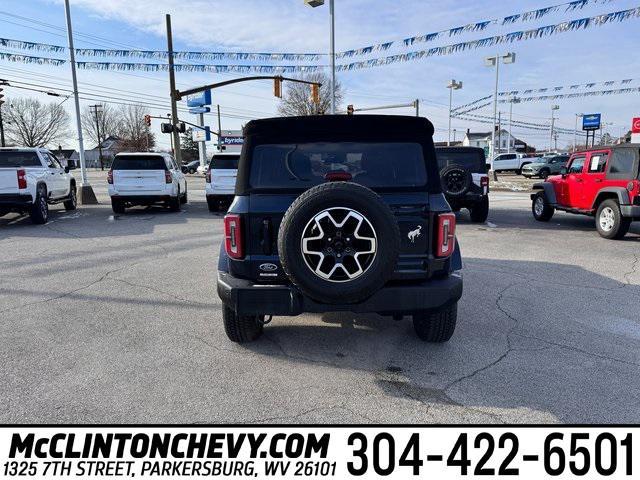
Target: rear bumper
[
  {"x": 248, "y": 298},
  {"x": 14, "y": 200},
  {"x": 470, "y": 198},
  {"x": 219, "y": 189},
  {"x": 632, "y": 211},
  {"x": 142, "y": 199}
]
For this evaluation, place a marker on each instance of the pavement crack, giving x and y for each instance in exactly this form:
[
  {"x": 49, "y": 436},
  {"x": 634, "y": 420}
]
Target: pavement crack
[
  {"x": 579, "y": 350},
  {"x": 162, "y": 292},
  {"x": 634, "y": 266}
]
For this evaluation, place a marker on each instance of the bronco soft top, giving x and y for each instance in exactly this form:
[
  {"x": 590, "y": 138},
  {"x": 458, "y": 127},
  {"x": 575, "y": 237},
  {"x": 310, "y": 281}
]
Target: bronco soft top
[{"x": 338, "y": 128}]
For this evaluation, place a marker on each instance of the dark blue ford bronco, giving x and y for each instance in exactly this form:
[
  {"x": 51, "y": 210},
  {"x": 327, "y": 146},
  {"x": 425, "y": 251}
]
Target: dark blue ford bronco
[{"x": 339, "y": 213}]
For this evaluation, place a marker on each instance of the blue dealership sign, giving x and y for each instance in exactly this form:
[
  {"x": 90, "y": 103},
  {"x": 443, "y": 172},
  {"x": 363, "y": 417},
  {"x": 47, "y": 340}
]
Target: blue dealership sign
[
  {"x": 591, "y": 121},
  {"x": 197, "y": 110},
  {"x": 199, "y": 99}
]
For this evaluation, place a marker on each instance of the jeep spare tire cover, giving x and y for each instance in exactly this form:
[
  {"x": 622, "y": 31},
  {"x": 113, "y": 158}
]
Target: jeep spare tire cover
[
  {"x": 339, "y": 242},
  {"x": 456, "y": 180}
]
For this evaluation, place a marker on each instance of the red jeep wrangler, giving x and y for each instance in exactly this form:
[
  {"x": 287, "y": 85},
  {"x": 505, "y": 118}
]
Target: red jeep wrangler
[{"x": 603, "y": 181}]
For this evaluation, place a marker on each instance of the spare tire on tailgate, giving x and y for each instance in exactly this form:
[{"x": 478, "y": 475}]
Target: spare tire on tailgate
[
  {"x": 456, "y": 180},
  {"x": 339, "y": 242}
]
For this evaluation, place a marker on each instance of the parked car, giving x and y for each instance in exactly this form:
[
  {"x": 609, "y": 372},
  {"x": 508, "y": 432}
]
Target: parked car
[
  {"x": 510, "y": 162},
  {"x": 220, "y": 180},
  {"x": 191, "y": 167},
  {"x": 545, "y": 166},
  {"x": 31, "y": 179},
  {"x": 146, "y": 179},
  {"x": 330, "y": 215},
  {"x": 603, "y": 181},
  {"x": 465, "y": 183}
]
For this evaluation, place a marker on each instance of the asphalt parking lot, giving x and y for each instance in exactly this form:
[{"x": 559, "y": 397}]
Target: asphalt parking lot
[{"x": 115, "y": 319}]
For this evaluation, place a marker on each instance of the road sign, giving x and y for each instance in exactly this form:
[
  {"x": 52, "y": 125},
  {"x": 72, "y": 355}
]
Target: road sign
[
  {"x": 201, "y": 134},
  {"x": 635, "y": 126},
  {"x": 197, "y": 110},
  {"x": 199, "y": 99},
  {"x": 591, "y": 121}
]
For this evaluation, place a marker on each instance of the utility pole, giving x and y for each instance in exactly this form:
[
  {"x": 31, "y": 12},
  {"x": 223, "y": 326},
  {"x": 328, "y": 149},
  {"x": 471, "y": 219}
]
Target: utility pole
[
  {"x": 453, "y": 85},
  {"x": 87, "y": 196},
  {"x": 499, "y": 131},
  {"x": 511, "y": 102},
  {"x": 174, "y": 102},
  {"x": 219, "y": 128},
  {"x": 553, "y": 119},
  {"x": 417, "y": 103},
  {"x": 2, "y": 143},
  {"x": 95, "y": 112},
  {"x": 202, "y": 146}
]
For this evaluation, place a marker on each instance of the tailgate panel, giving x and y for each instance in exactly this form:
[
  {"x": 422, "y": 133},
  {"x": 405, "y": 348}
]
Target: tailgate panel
[
  {"x": 8, "y": 181},
  {"x": 138, "y": 181}
]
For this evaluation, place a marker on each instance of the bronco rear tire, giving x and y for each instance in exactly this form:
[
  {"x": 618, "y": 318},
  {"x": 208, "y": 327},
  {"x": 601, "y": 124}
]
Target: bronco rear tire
[
  {"x": 241, "y": 328},
  {"x": 436, "y": 326},
  {"x": 480, "y": 211},
  {"x": 339, "y": 242}
]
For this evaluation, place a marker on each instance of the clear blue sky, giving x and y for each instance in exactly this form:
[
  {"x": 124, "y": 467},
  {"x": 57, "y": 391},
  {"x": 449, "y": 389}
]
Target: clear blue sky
[{"x": 597, "y": 54}]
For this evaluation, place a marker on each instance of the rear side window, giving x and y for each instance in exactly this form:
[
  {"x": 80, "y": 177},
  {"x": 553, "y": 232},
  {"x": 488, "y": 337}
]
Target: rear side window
[
  {"x": 224, "y": 162},
  {"x": 135, "y": 162},
  {"x": 473, "y": 160},
  {"x": 598, "y": 162},
  {"x": 301, "y": 166},
  {"x": 623, "y": 163},
  {"x": 19, "y": 159}
]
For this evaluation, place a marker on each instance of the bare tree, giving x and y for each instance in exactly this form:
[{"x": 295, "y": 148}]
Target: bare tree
[
  {"x": 297, "y": 96},
  {"x": 31, "y": 123},
  {"x": 133, "y": 132},
  {"x": 108, "y": 122}
]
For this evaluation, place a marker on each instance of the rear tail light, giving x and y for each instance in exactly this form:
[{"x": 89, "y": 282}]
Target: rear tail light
[
  {"x": 338, "y": 176},
  {"x": 446, "y": 234},
  {"x": 110, "y": 177},
  {"x": 208, "y": 177},
  {"x": 22, "y": 179},
  {"x": 484, "y": 181},
  {"x": 233, "y": 236},
  {"x": 167, "y": 177}
]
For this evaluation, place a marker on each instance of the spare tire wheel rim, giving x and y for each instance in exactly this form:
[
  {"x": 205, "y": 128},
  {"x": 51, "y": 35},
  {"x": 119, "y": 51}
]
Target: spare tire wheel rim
[
  {"x": 455, "y": 181},
  {"x": 539, "y": 206},
  {"x": 339, "y": 244}
]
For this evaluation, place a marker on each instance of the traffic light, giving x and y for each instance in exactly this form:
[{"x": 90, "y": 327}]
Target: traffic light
[
  {"x": 350, "y": 110},
  {"x": 181, "y": 127},
  {"x": 147, "y": 120},
  {"x": 315, "y": 93},
  {"x": 277, "y": 87},
  {"x": 166, "y": 128}
]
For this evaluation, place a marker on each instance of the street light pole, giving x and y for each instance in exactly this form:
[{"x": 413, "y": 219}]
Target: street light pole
[
  {"x": 332, "y": 47},
  {"x": 333, "y": 56},
  {"x": 177, "y": 153},
  {"x": 512, "y": 100},
  {"x": 495, "y": 62},
  {"x": 87, "y": 196},
  {"x": 95, "y": 112},
  {"x": 553, "y": 119},
  {"x": 453, "y": 85},
  {"x": 575, "y": 132}
]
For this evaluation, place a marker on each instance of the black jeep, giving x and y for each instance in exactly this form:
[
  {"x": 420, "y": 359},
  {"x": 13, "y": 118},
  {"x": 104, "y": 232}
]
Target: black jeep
[
  {"x": 339, "y": 213},
  {"x": 465, "y": 182}
]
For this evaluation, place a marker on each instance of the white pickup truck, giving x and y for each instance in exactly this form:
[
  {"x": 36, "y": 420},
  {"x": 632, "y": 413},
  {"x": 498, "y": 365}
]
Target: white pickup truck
[
  {"x": 31, "y": 179},
  {"x": 510, "y": 162}
]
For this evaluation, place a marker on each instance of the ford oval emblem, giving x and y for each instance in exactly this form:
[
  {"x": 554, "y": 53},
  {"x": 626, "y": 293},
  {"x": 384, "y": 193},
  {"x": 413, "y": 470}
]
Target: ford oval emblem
[{"x": 268, "y": 267}]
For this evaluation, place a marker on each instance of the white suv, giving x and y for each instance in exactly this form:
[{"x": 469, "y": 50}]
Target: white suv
[
  {"x": 31, "y": 179},
  {"x": 221, "y": 179},
  {"x": 146, "y": 179}
]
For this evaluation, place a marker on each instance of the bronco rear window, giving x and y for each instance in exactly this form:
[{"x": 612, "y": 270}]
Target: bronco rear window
[
  {"x": 19, "y": 159},
  {"x": 376, "y": 165},
  {"x": 473, "y": 160},
  {"x": 224, "y": 162},
  {"x": 136, "y": 162}
]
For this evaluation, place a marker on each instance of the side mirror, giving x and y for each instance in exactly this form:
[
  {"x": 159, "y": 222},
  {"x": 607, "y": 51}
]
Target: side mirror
[
  {"x": 563, "y": 170},
  {"x": 66, "y": 169}
]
